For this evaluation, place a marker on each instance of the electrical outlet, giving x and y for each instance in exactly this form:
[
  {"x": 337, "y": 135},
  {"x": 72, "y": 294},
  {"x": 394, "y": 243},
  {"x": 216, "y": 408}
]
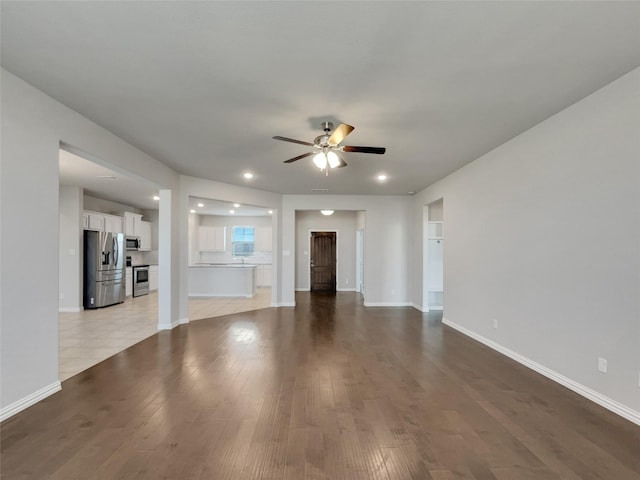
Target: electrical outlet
[
  {"x": 602, "y": 364},
  {"x": 495, "y": 323}
]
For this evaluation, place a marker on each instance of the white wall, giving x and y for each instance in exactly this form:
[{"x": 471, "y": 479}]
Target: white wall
[
  {"x": 70, "y": 249},
  {"x": 543, "y": 234},
  {"x": 33, "y": 127},
  {"x": 344, "y": 222},
  {"x": 388, "y": 238},
  {"x": 101, "y": 205}
]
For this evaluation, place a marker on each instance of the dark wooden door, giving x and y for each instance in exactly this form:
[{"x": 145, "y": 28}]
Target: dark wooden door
[{"x": 323, "y": 261}]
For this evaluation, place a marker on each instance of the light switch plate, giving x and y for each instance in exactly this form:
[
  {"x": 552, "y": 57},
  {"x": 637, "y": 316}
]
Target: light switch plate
[{"x": 602, "y": 364}]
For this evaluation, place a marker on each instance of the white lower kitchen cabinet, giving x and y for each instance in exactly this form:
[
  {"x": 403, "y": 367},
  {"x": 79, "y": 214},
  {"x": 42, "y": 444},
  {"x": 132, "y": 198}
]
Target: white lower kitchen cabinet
[
  {"x": 223, "y": 280},
  {"x": 128, "y": 278},
  {"x": 153, "y": 277}
]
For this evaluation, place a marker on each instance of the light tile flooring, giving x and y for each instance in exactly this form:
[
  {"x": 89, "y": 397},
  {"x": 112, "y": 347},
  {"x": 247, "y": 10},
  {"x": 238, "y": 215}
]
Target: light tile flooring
[{"x": 91, "y": 336}]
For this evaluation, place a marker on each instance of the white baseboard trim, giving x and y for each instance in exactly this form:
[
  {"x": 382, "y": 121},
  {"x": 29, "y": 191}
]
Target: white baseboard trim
[
  {"x": 169, "y": 326},
  {"x": 211, "y": 295},
  {"x": 70, "y": 309},
  {"x": 284, "y": 304},
  {"x": 303, "y": 290},
  {"x": 387, "y": 304},
  {"x": 29, "y": 400},
  {"x": 420, "y": 308},
  {"x": 346, "y": 289},
  {"x": 183, "y": 321},
  {"x": 440, "y": 308},
  {"x": 596, "y": 397}
]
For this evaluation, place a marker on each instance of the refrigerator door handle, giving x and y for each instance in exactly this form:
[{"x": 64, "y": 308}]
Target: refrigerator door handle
[
  {"x": 115, "y": 251},
  {"x": 105, "y": 258}
]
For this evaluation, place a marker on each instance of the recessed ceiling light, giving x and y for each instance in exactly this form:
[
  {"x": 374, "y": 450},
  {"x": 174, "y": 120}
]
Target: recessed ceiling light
[
  {"x": 319, "y": 189},
  {"x": 382, "y": 177},
  {"x": 270, "y": 212},
  {"x": 156, "y": 198},
  {"x": 247, "y": 175},
  {"x": 411, "y": 193},
  {"x": 326, "y": 212},
  {"x": 232, "y": 211},
  {"x": 192, "y": 211},
  {"x": 201, "y": 205},
  {"x": 237, "y": 205}
]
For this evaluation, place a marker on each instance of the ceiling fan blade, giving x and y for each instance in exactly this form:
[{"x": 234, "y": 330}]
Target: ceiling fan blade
[
  {"x": 378, "y": 150},
  {"x": 285, "y": 139},
  {"x": 298, "y": 157},
  {"x": 342, "y": 164},
  {"x": 339, "y": 134}
]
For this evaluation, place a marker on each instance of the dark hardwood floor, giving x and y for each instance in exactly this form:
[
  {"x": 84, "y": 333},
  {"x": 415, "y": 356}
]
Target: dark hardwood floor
[{"x": 328, "y": 390}]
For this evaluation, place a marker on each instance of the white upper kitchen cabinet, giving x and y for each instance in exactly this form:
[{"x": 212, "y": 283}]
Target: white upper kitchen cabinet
[
  {"x": 112, "y": 224},
  {"x": 212, "y": 239},
  {"x": 96, "y": 222},
  {"x": 263, "y": 239},
  {"x": 132, "y": 224},
  {"x": 145, "y": 236}
]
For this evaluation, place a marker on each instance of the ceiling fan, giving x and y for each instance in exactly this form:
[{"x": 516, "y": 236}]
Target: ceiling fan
[{"x": 326, "y": 146}]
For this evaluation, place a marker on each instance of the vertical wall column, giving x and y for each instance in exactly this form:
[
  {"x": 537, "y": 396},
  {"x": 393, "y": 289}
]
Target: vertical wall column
[
  {"x": 168, "y": 253},
  {"x": 71, "y": 249}
]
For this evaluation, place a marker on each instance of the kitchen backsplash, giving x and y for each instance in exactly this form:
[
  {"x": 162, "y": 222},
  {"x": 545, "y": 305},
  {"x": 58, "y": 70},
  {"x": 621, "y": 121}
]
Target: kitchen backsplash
[
  {"x": 225, "y": 257},
  {"x": 143, "y": 258}
]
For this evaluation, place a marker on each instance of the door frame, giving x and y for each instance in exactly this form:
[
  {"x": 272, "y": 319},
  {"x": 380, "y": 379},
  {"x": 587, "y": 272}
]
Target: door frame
[
  {"x": 322, "y": 230},
  {"x": 360, "y": 246}
]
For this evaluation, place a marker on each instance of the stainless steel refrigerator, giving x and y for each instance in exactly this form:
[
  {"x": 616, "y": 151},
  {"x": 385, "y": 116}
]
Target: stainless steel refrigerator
[{"x": 104, "y": 279}]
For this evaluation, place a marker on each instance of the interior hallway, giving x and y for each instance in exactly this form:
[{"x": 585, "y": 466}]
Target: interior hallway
[
  {"x": 328, "y": 389},
  {"x": 91, "y": 336}
]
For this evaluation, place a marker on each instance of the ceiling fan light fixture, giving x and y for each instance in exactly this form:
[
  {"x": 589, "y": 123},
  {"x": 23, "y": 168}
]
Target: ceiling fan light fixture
[
  {"x": 320, "y": 160},
  {"x": 333, "y": 159},
  {"x": 326, "y": 212}
]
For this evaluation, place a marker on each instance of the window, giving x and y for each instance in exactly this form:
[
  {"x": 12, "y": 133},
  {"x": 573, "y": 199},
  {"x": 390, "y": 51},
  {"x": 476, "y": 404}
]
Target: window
[{"x": 243, "y": 241}]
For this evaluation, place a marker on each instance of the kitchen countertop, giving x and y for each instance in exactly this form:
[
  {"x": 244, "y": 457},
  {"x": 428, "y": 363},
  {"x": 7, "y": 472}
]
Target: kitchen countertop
[{"x": 223, "y": 265}]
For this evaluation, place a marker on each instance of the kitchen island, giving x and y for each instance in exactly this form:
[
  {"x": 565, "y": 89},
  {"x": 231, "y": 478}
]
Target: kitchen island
[{"x": 222, "y": 280}]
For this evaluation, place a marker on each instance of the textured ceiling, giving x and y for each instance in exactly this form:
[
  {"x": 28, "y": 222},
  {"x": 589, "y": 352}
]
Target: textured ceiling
[{"x": 203, "y": 86}]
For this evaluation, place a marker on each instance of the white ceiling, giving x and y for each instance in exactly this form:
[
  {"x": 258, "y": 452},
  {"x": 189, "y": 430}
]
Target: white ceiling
[
  {"x": 101, "y": 182},
  {"x": 216, "y": 207},
  {"x": 203, "y": 86}
]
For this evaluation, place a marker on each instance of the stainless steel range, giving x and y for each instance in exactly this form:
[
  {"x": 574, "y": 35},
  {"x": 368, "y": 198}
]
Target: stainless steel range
[{"x": 140, "y": 280}]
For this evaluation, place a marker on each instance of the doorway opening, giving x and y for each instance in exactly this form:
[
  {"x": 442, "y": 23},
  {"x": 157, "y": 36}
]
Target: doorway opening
[
  {"x": 360, "y": 261},
  {"x": 323, "y": 261},
  {"x": 433, "y": 257},
  {"x": 230, "y": 252},
  {"x": 110, "y": 203}
]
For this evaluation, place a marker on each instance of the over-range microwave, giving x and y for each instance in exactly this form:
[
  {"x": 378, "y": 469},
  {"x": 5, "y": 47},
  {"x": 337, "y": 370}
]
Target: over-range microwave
[{"x": 132, "y": 243}]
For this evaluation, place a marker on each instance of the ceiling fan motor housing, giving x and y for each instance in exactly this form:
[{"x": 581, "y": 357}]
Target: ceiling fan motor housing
[{"x": 322, "y": 140}]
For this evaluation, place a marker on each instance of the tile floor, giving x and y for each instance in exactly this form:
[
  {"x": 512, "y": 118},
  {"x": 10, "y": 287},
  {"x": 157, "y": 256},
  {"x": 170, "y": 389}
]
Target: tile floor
[{"x": 91, "y": 336}]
